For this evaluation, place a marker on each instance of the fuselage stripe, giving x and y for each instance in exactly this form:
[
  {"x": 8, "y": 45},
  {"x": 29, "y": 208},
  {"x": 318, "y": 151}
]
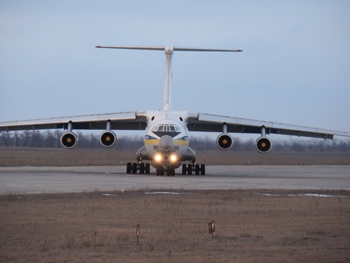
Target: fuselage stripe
[{"x": 155, "y": 142}]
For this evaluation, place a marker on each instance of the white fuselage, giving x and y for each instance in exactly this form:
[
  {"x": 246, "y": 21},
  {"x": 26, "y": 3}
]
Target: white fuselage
[{"x": 166, "y": 139}]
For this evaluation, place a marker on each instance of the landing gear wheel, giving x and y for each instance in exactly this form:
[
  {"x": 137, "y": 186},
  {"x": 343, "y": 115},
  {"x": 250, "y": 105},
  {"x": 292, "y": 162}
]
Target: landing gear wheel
[
  {"x": 189, "y": 169},
  {"x": 160, "y": 170},
  {"x": 171, "y": 171},
  {"x": 134, "y": 168},
  {"x": 197, "y": 169},
  {"x": 203, "y": 169},
  {"x": 128, "y": 168},
  {"x": 184, "y": 169},
  {"x": 142, "y": 168},
  {"x": 147, "y": 168}
]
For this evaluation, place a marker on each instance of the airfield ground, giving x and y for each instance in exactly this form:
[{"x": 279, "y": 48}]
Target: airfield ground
[{"x": 252, "y": 225}]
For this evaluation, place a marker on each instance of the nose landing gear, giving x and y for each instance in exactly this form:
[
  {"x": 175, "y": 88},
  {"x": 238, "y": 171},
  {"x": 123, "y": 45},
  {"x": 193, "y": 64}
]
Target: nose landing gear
[{"x": 160, "y": 170}]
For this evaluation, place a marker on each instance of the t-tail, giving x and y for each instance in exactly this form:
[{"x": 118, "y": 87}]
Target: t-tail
[{"x": 168, "y": 74}]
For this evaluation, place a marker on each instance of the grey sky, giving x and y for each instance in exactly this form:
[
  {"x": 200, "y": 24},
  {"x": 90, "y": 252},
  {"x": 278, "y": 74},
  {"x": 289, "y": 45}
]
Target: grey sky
[{"x": 295, "y": 67}]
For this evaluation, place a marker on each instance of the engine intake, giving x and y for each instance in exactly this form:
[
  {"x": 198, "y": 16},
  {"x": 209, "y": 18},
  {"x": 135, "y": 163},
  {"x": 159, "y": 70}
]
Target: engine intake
[
  {"x": 263, "y": 145},
  {"x": 224, "y": 141},
  {"x": 69, "y": 140},
  {"x": 108, "y": 138}
]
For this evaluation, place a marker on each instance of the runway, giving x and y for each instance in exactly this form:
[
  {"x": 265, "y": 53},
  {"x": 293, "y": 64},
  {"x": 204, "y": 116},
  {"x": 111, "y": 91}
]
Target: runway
[{"x": 25, "y": 180}]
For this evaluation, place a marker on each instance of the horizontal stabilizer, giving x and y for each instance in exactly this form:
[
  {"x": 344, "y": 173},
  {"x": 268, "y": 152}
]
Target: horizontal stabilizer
[{"x": 173, "y": 48}]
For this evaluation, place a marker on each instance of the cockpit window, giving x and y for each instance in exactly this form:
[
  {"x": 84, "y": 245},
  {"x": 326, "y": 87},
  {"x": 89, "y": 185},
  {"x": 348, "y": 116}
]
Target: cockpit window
[{"x": 166, "y": 128}]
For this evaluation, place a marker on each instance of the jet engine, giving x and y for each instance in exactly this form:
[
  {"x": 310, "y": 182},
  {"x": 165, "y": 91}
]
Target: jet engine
[
  {"x": 69, "y": 140},
  {"x": 263, "y": 145},
  {"x": 108, "y": 138},
  {"x": 224, "y": 141}
]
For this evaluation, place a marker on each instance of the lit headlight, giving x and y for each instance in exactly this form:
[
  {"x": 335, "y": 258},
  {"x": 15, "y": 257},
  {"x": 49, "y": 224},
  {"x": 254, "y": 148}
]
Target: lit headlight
[
  {"x": 173, "y": 158},
  {"x": 158, "y": 157}
]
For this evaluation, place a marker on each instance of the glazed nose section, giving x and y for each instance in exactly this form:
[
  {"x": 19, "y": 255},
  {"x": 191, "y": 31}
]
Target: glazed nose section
[{"x": 166, "y": 143}]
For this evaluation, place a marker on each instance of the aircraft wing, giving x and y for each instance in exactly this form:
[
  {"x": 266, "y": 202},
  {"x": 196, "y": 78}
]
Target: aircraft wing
[
  {"x": 119, "y": 121},
  {"x": 214, "y": 123}
]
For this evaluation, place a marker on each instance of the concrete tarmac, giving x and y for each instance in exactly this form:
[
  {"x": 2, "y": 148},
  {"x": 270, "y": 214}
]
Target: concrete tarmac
[{"x": 25, "y": 180}]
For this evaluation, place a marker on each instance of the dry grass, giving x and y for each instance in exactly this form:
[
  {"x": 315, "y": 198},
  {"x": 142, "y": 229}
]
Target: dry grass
[
  {"x": 250, "y": 227},
  {"x": 88, "y": 157}
]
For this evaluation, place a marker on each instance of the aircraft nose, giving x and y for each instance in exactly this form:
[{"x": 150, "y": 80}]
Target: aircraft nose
[{"x": 166, "y": 143}]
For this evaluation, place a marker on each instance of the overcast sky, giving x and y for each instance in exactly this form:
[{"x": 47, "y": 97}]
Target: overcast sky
[{"x": 295, "y": 67}]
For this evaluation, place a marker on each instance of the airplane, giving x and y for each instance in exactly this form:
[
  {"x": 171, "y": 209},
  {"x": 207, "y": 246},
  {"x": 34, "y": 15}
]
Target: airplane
[{"x": 166, "y": 139}]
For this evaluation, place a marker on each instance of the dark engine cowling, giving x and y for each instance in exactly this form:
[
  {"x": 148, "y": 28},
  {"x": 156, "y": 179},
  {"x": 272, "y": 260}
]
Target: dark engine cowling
[
  {"x": 263, "y": 145},
  {"x": 224, "y": 141},
  {"x": 108, "y": 138},
  {"x": 69, "y": 140}
]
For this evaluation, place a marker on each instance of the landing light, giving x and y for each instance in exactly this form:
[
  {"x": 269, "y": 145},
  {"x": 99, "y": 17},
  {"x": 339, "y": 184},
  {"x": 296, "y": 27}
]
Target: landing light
[
  {"x": 173, "y": 158},
  {"x": 158, "y": 157}
]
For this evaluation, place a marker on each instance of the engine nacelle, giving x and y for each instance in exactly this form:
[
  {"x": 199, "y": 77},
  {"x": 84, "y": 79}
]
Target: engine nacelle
[
  {"x": 69, "y": 140},
  {"x": 108, "y": 138},
  {"x": 224, "y": 141},
  {"x": 263, "y": 145}
]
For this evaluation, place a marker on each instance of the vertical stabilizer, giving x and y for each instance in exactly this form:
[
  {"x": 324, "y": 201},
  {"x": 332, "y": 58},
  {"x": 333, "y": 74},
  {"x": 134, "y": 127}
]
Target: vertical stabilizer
[
  {"x": 168, "y": 74},
  {"x": 168, "y": 78}
]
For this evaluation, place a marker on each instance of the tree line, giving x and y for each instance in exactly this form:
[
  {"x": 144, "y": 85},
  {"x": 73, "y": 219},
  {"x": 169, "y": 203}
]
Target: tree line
[{"x": 51, "y": 139}]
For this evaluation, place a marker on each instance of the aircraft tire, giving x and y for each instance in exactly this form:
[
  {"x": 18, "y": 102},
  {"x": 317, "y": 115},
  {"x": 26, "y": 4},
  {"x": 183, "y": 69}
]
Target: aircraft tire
[
  {"x": 171, "y": 171},
  {"x": 197, "y": 169},
  {"x": 189, "y": 169},
  {"x": 147, "y": 168},
  {"x": 160, "y": 171},
  {"x": 203, "y": 169},
  {"x": 134, "y": 168},
  {"x": 142, "y": 168},
  {"x": 184, "y": 169},
  {"x": 128, "y": 168}
]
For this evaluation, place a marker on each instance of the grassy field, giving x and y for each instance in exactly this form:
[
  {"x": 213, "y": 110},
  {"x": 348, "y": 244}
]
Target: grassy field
[
  {"x": 83, "y": 157},
  {"x": 251, "y": 226}
]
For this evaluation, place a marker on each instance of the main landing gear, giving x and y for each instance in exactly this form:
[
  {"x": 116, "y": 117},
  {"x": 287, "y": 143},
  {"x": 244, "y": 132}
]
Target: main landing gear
[
  {"x": 134, "y": 168},
  {"x": 142, "y": 168},
  {"x": 193, "y": 168}
]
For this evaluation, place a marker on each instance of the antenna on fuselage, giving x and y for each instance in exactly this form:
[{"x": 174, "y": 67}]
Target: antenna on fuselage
[{"x": 168, "y": 74}]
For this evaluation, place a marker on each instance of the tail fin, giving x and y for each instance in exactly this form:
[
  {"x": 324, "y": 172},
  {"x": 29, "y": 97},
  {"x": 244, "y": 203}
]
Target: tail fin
[{"x": 169, "y": 50}]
